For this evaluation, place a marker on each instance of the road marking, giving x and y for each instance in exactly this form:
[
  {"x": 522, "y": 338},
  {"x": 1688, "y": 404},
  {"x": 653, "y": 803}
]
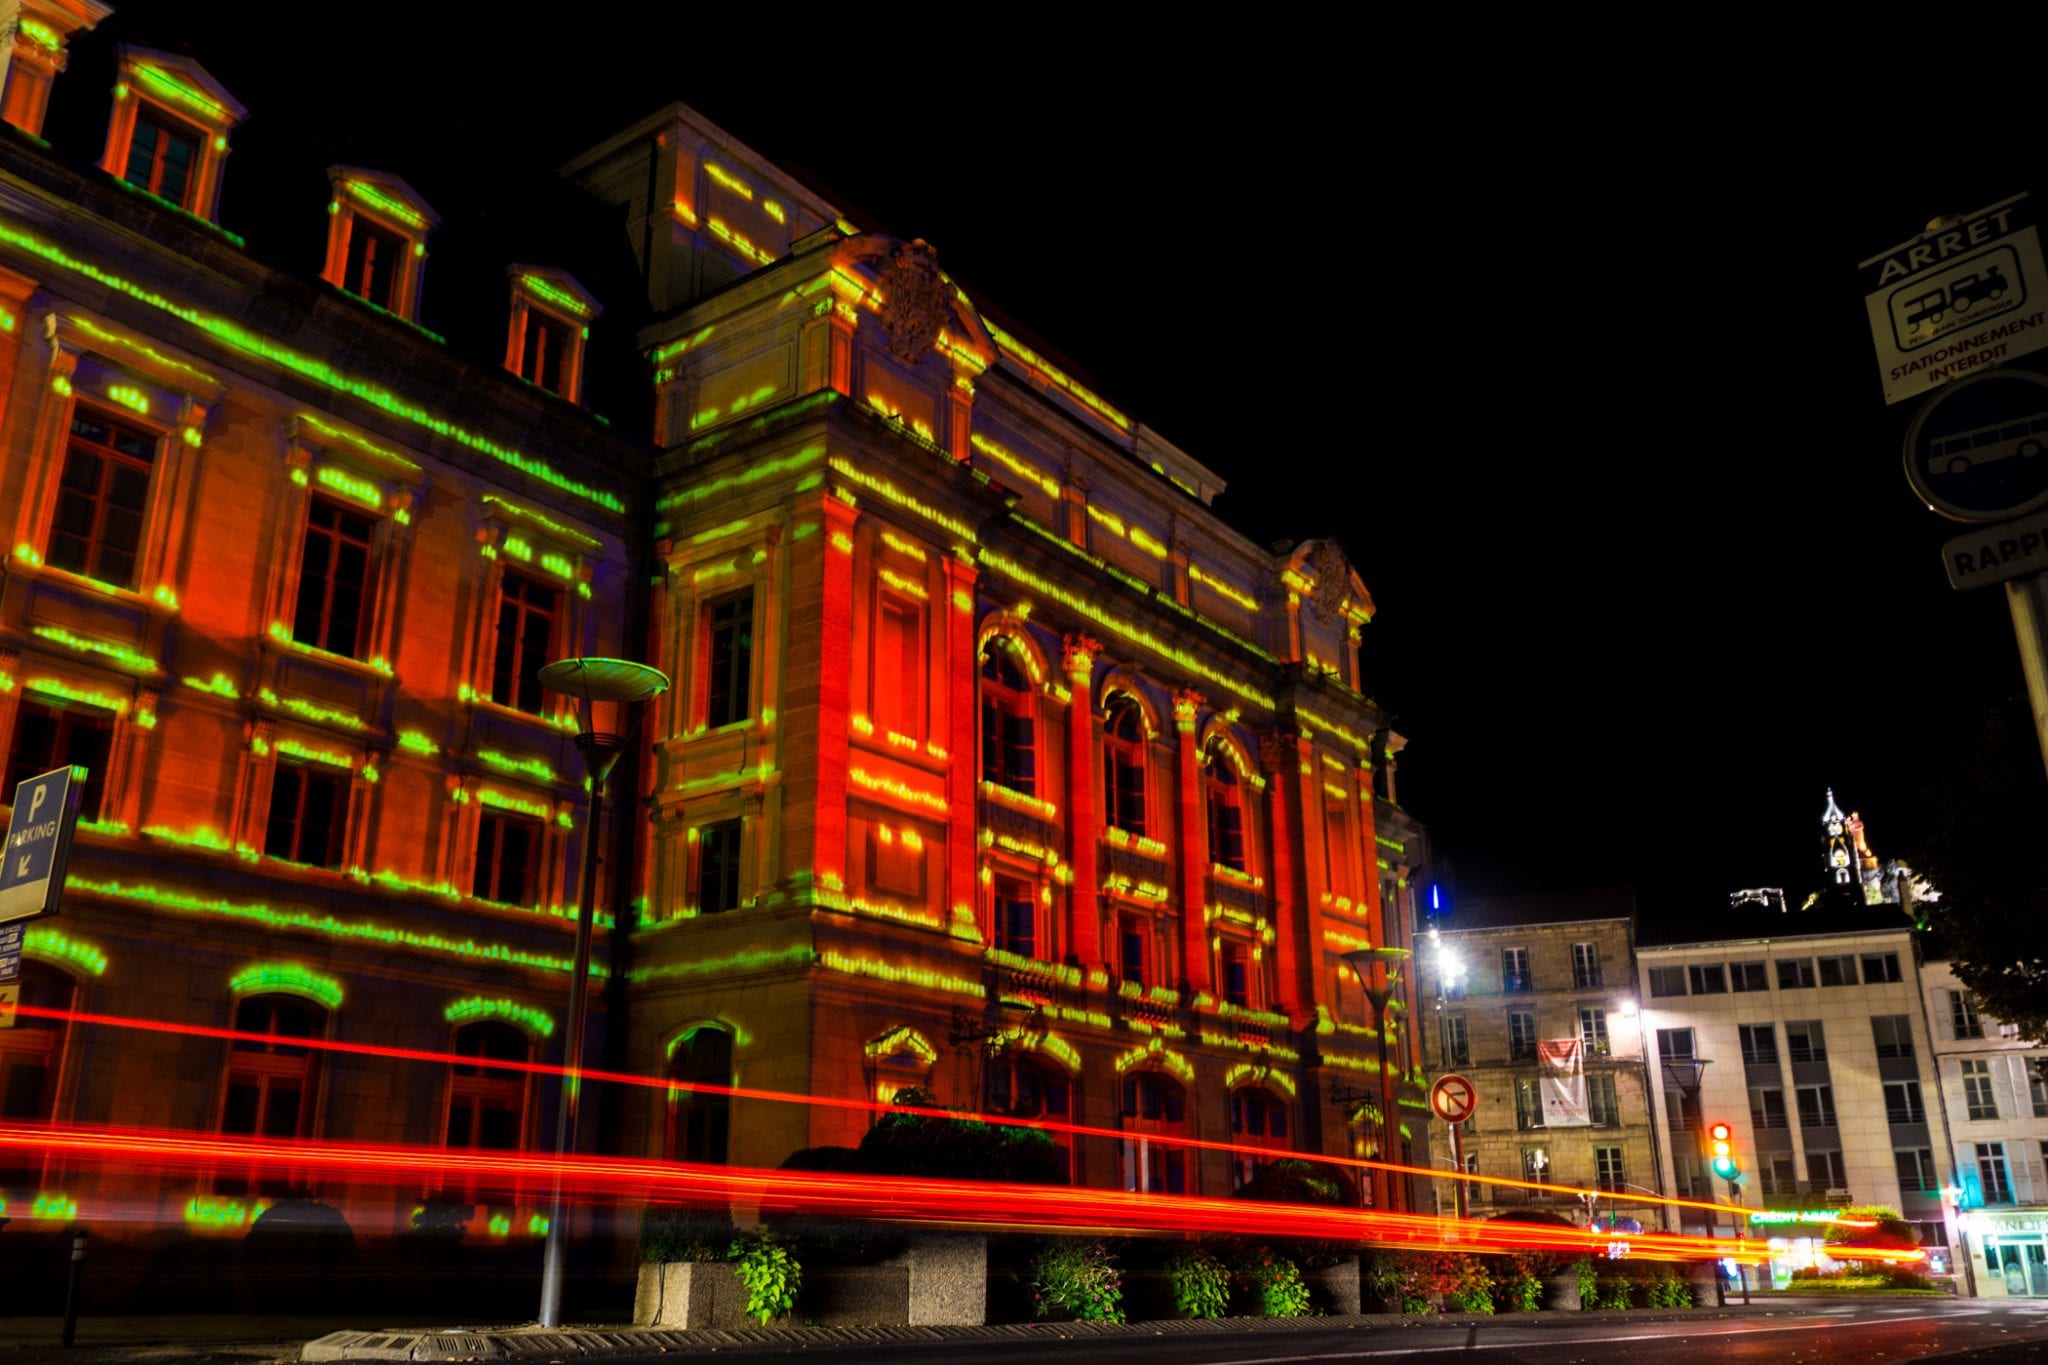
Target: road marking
[{"x": 1530, "y": 1345}]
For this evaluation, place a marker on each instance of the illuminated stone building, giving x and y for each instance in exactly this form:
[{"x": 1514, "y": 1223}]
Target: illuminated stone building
[{"x": 996, "y": 766}]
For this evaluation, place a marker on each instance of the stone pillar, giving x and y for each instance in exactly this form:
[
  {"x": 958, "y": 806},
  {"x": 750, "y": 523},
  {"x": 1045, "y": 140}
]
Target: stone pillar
[
  {"x": 1084, "y": 822},
  {"x": 1194, "y": 846},
  {"x": 834, "y": 684},
  {"x": 961, "y": 668},
  {"x": 1286, "y": 884}
]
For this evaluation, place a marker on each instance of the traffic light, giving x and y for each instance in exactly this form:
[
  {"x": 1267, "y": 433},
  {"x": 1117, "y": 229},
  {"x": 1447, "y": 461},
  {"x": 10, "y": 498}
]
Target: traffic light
[{"x": 1721, "y": 1138}]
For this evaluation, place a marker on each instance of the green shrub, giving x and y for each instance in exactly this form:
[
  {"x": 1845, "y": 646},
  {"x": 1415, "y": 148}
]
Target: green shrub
[
  {"x": 1201, "y": 1284},
  {"x": 1521, "y": 1291},
  {"x": 1666, "y": 1290},
  {"x": 1277, "y": 1284},
  {"x": 1589, "y": 1283},
  {"x": 1614, "y": 1293},
  {"x": 1078, "y": 1277},
  {"x": 771, "y": 1275}
]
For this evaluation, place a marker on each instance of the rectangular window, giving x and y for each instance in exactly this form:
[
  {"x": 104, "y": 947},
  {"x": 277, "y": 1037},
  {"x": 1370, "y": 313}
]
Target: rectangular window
[
  {"x": 1991, "y": 1169},
  {"x": 1780, "y": 1176},
  {"x": 308, "y": 816},
  {"x": 1337, "y": 850},
  {"x": 1528, "y": 1102},
  {"x": 1826, "y": 1171},
  {"x": 1795, "y": 973},
  {"x": 1608, "y": 1172},
  {"x": 898, "y": 689},
  {"x": 1816, "y": 1106},
  {"x": 1237, "y": 974},
  {"x": 507, "y": 858},
  {"x": 1514, "y": 970},
  {"x": 1708, "y": 979},
  {"x": 526, "y": 633},
  {"x": 1962, "y": 1016},
  {"x": 101, "y": 497},
  {"x": 1134, "y": 937},
  {"x": 162, "y": 156},
  {"x": 1016, "y": 912},
  {"x": 1674, "y": 1044},
  {"x": 1767, "y": 1106},
  {"x": 543, "y": 351},
  {"x": 334, "y": 573},
  {"x": 1593, "y": 1031},
  {"x": 1457, "y": 1050},
  {"x": 718, "y": 867},
  {"x": 1535, "y": 1163},
  {"x": 1838, "y": 971},
  {"x": 1916, "y": 1171},
  {"x": 1226, "y": 814},
  {"x": 1747, "y": 976},
  {"x": 1806, "y": 1040},
  {"x": 1893, "y": 1034},
  {"x": 1585, "y": 965},
  {"x": 1902, "y": 1102},
  {"x": 48, "y": 737},
  {"x": 1603, "y": 1105},
  {"x": 1879, "y": 967},
  {"x": 1521, "y": 1035},
  {"x": 1009, "y": 746},
  {"x": 726, "y": 696},
  {"x": 1977, "y": 1094},
  {"x": 374, "y": 257},
  {"x": 2037, "y": 1085},
  {"x": 1759, "y": 1043},
  {"x": 1667, "y": 981}
]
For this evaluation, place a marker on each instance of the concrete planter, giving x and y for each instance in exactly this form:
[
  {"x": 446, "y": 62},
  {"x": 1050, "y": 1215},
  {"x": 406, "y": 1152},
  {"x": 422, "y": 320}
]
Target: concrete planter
[
  {"x": 1339, "y": 1288},
  {"x": 1561, "y": 1292},
  {"x": 690, "y": 1294},
  {"x": 940, "y": 1280}
]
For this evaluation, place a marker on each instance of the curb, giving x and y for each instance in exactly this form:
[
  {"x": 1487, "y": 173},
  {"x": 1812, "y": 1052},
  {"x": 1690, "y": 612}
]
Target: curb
[{"x": 520, "y": 1343}]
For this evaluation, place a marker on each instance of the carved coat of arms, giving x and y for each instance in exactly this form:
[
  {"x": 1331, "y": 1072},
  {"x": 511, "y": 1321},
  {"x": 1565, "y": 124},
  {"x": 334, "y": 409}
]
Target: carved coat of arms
[
  {"x": 1333, "y": 580},
  {"x": 913, "y": 300}
]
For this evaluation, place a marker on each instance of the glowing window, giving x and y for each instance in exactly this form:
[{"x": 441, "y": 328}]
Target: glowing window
[
  {"x": 525, "y": 641},
  {"x": 49, "y": 736},
  {"x": 308, "y": 816},
  {"x": 101, "y": 498},
  {"x": 334, "y": 572},
  {"x": 162, "y": 154},
  {"x": 1154, "y": 1105},
  {"x": 1009, "y": 750},
  {"x": 1123, "y": 769},
  {"x": 507, "y": 858},
  {"x": 1225, "y": 803}
]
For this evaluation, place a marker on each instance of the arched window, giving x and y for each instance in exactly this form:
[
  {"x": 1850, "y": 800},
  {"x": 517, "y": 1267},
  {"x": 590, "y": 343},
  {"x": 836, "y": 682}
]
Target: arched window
[
  {"x": 700, "y": 1123},
  {"x": 1221, "y": 791},
  {"x": 1258, "y": 1118},
  {"x": 1009, "y": 753},
  {"x": 1123, "y": 768},
  {"x": 486, "y": 1105},
  {"x": 1025, "y": 1086},
  {"x": 1155, "y": 1105},
  {"x": 31, "y": 1060},
  {"x": 272, "y": 1086}
]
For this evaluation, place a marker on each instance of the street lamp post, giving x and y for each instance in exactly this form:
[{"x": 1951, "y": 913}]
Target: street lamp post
[
  {"x": 1450, "y": 970},
  {"x": 623, "y": 683},
  {"x": 1378, "y": 978}
]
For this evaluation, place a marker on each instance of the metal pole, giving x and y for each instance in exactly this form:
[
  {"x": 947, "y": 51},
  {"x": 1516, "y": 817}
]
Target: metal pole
[
  {"x": 1458, "y": 1194},
  {"x": 1379, "y": 1019},
  {"x": 2023, "y": 597},
  {"x": 71, "y": 1286},
  {"x": 598, "y": 765}
]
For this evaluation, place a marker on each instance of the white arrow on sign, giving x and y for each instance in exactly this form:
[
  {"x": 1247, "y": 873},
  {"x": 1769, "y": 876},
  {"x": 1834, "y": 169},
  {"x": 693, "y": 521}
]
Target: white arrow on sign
[{"x": 1453, "y": 1098}]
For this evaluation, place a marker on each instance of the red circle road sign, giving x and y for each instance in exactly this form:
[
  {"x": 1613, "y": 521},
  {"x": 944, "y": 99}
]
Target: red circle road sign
[{"x": 1453, "y": 1098}]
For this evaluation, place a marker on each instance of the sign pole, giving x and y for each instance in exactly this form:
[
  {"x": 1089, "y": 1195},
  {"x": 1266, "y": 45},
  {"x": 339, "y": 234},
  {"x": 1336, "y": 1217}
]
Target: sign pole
[
  {"x": 1458, "y": 1160},
  {"x": 2030, "y": 629}
]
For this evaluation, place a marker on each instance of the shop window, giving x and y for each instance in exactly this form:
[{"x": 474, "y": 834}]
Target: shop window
[
  {"x": 1123, "y": 768},
  {"x": 1009, "y": 754},
  {"x": 899, "y": 667},
  {"x": 1258, "y": 1118},
  {"x": 1155, "y": 1106},
  {"x": 700, "y": 1122},
  {"x": 48, "y": 736},
  {"x": 101, "y": 499},
  {"x": 527, "y": 609},
  {"x": 334, "y": 573},
  {"x": 308, "y": 816},
  {"x": 1016, "y": 917},
  {"x": 730, "y": 663},
  {"x": 507, "y": 858},
  {"x": 1224, "y": 799},
  {"x": 718, "y": 867}
]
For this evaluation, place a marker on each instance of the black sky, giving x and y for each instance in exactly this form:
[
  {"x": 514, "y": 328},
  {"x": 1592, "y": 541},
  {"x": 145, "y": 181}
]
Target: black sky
[{"x": 1575, "y": 365}]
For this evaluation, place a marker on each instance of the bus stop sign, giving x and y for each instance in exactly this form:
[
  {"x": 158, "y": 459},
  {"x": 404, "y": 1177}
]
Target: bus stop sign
[{"x": 1978, "y": 451}]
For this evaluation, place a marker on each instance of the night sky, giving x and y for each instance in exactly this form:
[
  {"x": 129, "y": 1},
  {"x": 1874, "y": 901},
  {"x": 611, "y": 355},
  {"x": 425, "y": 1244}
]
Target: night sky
[{"x": 1575, "y": 368}]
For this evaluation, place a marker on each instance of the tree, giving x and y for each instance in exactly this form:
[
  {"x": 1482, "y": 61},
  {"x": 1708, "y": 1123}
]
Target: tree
[{"x": 1984, "y": 851}]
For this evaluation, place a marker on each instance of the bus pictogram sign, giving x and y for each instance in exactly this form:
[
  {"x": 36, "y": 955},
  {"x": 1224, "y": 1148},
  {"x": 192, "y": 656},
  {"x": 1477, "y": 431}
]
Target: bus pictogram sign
[
  {"x": 1978, "y": 451},
  {"x": 1453, "y": 1098}
]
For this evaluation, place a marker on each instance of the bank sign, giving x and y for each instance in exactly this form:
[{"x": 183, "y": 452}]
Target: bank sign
[
  {"x": 1957, "y": 298},
  {"x": 38, "y": 843}
]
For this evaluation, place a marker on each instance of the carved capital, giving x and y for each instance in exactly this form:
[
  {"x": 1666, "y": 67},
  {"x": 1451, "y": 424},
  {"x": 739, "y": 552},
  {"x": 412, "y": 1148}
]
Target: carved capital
[
  {"x": 1078, "y": 653},
  {"x": 1187, "y": 705}
]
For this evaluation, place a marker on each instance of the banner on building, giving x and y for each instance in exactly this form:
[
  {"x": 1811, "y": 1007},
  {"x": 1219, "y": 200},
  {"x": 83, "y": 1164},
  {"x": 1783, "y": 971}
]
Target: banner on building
[{"x": 1563, "y": 1063}]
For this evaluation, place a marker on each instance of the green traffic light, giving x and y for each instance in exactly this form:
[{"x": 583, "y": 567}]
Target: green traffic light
[{"x": 1724, "y": 1166}]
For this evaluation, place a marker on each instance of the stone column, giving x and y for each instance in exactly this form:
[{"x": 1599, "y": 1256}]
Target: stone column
[
  {"x": 1194, "y": 846},
  {"x": 1084, "y": 821}
]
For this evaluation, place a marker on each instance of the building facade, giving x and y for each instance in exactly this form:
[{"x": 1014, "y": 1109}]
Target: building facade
[
  {"x": 1994, "y": 1096},
  {"x": 1805, "y": 1034},
  {"x": 1504, "y": 977},
  {"x": 996, "y": 767}
]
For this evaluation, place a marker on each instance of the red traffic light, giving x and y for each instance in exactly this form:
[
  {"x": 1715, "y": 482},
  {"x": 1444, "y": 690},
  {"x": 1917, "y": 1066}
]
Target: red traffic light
[{"x": 1720, "y": 1132}]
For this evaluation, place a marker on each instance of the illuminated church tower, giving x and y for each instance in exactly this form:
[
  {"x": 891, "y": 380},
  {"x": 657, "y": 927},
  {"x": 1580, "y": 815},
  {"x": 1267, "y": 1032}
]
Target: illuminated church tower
[{"x": 1840, "y": 861}]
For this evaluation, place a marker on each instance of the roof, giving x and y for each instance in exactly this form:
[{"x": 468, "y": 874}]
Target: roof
[
  {"x": 1546, "y": 907},
  {"x": 1728, "y": 924}
]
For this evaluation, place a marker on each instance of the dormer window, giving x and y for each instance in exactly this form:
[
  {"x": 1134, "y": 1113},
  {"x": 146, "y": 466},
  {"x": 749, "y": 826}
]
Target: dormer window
[
  {"x": 169, "y": 134},
  {"x": 377, "y": 239},
  {"x": 40, "y": 36},
  {"x": 551, "y": 316}
]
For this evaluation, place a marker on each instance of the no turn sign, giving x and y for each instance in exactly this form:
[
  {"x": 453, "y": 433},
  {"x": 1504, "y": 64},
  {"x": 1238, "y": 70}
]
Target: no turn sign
[{"x": 1453, "y": 1098}]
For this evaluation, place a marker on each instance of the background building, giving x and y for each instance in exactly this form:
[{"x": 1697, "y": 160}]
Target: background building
[{"x": 1504, "y": 976}]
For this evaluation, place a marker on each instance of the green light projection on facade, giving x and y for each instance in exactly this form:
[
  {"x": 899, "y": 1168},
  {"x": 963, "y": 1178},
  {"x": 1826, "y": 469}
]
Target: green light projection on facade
[
  {"x": 534, "y": 1021},
  {"x": 290, "y": 979}
]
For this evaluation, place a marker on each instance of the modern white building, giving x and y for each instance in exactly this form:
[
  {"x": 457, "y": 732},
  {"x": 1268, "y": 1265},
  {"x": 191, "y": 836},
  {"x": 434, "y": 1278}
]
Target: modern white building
[
  {"x": 1994, "y": 1088},
  {"x": 1805, "y": 1033}
]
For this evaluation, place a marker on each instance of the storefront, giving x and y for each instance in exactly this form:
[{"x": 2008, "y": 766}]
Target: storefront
[{"x": 2011, "y": 1250}]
